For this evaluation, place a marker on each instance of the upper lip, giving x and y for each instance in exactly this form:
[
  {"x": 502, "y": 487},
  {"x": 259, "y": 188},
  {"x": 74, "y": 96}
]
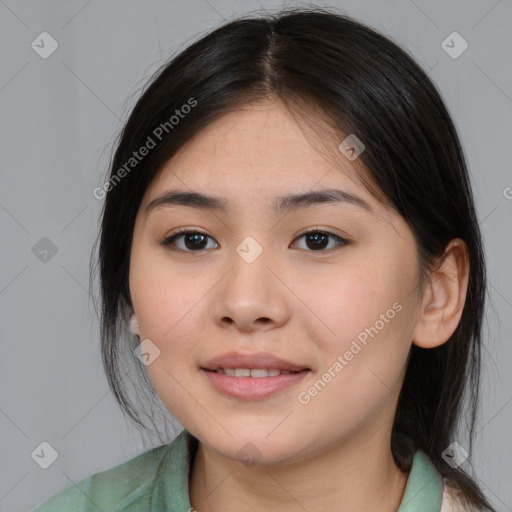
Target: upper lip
[{"x": 251, "y": 361}]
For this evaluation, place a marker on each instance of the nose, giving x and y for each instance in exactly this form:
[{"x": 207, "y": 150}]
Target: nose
[{"x": 251, "y": 296}]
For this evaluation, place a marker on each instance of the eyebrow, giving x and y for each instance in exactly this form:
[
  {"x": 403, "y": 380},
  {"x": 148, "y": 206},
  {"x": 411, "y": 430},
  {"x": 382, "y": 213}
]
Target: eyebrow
[{"x": 280, "y": 205}]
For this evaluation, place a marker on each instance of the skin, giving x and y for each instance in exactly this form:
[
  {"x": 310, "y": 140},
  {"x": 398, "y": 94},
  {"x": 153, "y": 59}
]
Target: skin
[{"x": 301, "y": 304}]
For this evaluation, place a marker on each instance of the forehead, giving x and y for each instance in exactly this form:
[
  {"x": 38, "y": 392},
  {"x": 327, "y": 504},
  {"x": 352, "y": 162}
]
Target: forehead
[{"x": 259, "y": 151}]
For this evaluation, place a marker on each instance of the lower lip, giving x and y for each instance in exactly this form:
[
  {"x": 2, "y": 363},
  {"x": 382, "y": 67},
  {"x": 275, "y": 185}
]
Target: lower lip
[{"x": 253, "y": 388}]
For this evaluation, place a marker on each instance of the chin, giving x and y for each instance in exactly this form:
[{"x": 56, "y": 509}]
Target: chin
[{"x": 254, "y": 446}]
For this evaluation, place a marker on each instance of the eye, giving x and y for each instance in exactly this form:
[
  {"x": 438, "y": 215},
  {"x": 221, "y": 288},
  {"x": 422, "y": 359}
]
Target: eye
[
  {"x": 317, "y": 240},
  {"x": 195, "y": 241}
]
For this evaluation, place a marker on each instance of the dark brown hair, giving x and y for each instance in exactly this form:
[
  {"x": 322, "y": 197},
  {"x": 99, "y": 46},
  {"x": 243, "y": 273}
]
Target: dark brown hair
[{"x": 368, "y": 86}]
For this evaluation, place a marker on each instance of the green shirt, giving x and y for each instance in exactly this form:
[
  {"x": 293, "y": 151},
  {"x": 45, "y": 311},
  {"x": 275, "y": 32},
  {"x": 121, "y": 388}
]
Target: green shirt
[{"x": 157, "y": 481}]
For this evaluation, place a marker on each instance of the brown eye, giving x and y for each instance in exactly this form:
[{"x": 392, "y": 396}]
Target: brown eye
[
  {"x": 196, "y": 241},
  {"x": 317, "y": 240},
  {"x": 192, "y": 241}
]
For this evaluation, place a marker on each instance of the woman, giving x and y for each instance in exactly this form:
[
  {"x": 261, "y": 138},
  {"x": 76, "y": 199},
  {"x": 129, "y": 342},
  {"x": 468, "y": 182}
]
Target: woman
[{"x": 290, "y": 231}]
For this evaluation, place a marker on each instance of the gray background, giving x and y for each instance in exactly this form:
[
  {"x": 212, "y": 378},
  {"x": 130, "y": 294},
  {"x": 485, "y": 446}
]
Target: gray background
[{"x": 59, "y": 117}]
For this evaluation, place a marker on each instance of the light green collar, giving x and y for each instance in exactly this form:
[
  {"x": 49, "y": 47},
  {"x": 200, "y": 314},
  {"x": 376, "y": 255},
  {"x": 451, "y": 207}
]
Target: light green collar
[{"x": 424, "y": 489}]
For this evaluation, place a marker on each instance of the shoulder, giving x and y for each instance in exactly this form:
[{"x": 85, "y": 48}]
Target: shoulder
[{"x": 128, "y": 484}]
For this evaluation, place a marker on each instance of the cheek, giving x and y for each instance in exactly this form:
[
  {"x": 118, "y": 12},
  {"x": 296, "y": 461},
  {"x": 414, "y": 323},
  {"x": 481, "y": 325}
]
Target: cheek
[
  {"x": 163, "y": 296},
  {"x": 171, "y": 314},
  {"x": 363, "y": 314},
  {"x": 363, "y": 351},
  {"x": 345, "y": 300},
  {"x": 168, "y": 318}
]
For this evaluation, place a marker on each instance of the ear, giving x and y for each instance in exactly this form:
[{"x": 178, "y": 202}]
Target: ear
[
  {"x": 134, "y": 324},
  {"x": 444, "y": 297}
]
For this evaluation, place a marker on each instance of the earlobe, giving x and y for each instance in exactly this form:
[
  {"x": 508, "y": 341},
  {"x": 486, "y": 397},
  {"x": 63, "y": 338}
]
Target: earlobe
[
  {"x": 134, "y": 324},
  {"x": 444, "y": 297}
]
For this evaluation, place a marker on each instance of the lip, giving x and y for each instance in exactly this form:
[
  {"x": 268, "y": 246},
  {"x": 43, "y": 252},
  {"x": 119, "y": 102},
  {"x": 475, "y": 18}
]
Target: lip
[
  {"x": 251, "y": 361},
  {"x": 252, "y": 388}
]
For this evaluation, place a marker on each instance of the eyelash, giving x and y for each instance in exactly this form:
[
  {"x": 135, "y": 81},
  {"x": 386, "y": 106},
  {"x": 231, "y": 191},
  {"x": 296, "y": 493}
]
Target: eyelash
[{"x": 169, "y": 241}]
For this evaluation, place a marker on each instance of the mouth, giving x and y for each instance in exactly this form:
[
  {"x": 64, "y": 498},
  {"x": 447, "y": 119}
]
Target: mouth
[
  {"x": 256, "y": 373},
  {"x": 260, "y": 364},
  {"x": 251, "y": 377}
]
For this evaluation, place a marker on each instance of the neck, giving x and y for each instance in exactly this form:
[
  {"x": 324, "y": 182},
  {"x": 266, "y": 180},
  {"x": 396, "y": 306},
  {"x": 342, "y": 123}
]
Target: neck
[{"x": 340, "y": 478}]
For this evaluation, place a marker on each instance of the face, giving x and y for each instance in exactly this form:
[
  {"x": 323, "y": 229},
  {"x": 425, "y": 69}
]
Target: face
[{"x": 339, "y": 304}]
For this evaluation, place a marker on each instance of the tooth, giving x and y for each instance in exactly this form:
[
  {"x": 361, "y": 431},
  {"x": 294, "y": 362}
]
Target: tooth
[
  {"x": 259, "y": 372},
  {"x": 255, "y": 372}
]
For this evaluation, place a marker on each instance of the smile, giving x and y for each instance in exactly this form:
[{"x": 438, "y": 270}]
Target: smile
[{"x": 254, "y": 372}]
